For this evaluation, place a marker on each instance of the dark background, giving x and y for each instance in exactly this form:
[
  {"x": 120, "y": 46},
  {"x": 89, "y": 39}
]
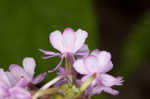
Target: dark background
[{"x": 119, "y": 26}]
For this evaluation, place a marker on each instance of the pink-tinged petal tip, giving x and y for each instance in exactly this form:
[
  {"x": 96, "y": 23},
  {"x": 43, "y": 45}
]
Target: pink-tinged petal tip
[
  {"x": 68, "y": 30},
  {"x": 29, "y": 65}
]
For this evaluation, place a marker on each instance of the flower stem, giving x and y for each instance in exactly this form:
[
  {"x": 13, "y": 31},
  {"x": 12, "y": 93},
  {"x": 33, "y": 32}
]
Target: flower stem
[
  {"x": 68, "y": 67},
  {"x": 87, "y": 82}
]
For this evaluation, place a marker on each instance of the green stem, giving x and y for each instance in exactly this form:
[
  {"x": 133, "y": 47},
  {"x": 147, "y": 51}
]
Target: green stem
[{"x": 87, "y": 82}]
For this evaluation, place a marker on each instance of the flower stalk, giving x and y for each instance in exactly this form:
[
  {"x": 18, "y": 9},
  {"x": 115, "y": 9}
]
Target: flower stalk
[
  {"x": 68, "y": 67},
  {"x": 87, "y": 83}
]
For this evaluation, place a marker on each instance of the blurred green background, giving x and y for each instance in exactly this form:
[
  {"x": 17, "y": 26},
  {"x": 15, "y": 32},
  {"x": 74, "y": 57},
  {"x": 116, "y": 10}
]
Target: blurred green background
[
  {"x": 25, "y": 26},
  {"x": 121, "y": 27}
]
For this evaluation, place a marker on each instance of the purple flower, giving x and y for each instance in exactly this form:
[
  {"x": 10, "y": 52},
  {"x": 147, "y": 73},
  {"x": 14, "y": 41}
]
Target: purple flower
[
  {"x": 10, "y": 91},
  {"x": 69, "y": 42},
  {"x": 98, "y": 62},
  {"x": 27, "y": 72}
]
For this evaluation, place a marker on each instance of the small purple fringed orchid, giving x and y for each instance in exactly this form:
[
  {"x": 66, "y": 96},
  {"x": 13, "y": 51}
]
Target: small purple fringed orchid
[
  {"x": 27, "y": 72},
  {"x": 70, "y": 43},
  {"x": 99, "y": 63},
  {"x": 10, "y": 91},
  {"x": 83, "y": 75}
]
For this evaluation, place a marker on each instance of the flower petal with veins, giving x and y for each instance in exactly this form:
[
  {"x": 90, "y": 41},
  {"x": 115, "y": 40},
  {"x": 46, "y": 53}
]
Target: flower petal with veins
[
  {"x": 56, "y": 40},
  {"x": 29, "y": 66}
]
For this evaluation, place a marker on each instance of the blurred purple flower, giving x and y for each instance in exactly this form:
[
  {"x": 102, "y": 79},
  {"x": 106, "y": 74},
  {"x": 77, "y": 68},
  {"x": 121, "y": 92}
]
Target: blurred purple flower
[
  {"x": 27, "y": 72},
  {"x": 98, "y": 62},
  {"x": 67, "y": 43},
  {"x": 10, "y": 91}
]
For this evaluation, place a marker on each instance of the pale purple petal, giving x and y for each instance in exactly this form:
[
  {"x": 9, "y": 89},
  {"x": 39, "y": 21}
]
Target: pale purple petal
[
  {"x": 4, "y": 79},
  {"x": 97, "y": 90},
  {"x": 80, "y": 39},
  {"x": 79, "y": 66},
  {"x": 29, "y": 66},
  {"x": 83, "y": 51},
  {"x": 22, "y": 83},
  {"x": 18, "y": 72},
  {"x": 104, "y": 57},
  {"x": 11, "y": 78},
  {"x": 57, "y": 40},
  {"x": 91, "y": 63},
  {"x": 104, "y": 61},
  {"x": 110, "y": 81},
  {"x": 111, "y": 91},
  {"x": 39, "y": 78},
  {"x": 4, "y": 84},
  {"x": 3, "y": 88},
  {"x": 19, "y": 93},
  {"x": 3, "y": 91},
  {"x": 105, "y": 68},
  {"x": 68, "y": 40}
]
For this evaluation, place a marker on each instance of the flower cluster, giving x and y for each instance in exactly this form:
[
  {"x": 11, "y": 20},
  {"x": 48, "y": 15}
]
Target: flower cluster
[
  {"x": 14, "y": 83},
  {"x": 84, "y": 74}
]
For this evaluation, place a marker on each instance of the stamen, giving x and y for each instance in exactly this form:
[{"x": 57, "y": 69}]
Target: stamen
[
  {"x": 50, "y": 83},
  {"x": 57, "y": 67}
]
